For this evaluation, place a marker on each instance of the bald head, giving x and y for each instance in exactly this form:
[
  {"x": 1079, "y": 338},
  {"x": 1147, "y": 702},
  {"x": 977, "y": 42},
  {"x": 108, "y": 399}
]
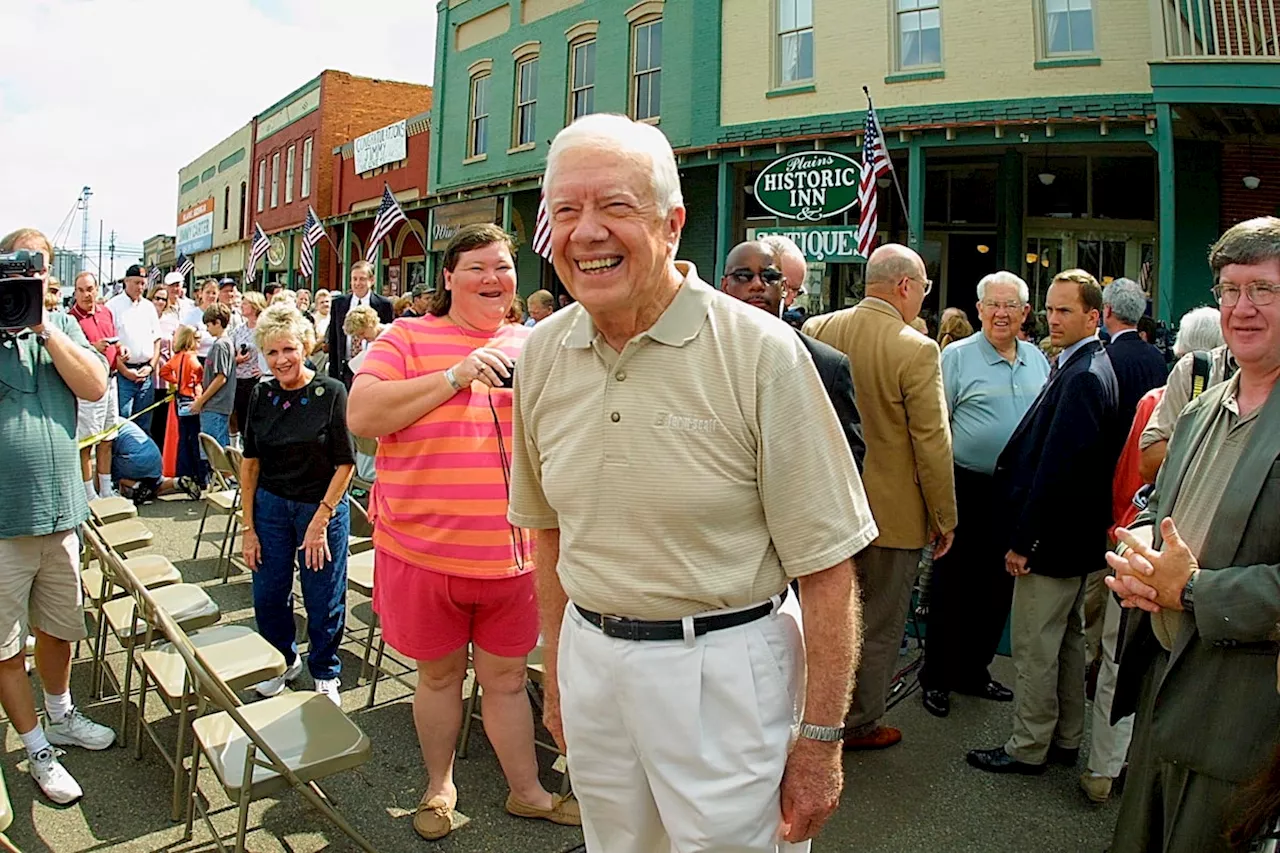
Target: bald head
[
  {"x": 752, "y": 274},
  {"x": 792, "y": 263},
  {"x": 896, "y": 274}
]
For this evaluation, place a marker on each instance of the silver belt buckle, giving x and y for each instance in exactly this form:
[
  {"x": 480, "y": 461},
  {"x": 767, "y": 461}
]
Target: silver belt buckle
[{"x": 617, "y": 627}]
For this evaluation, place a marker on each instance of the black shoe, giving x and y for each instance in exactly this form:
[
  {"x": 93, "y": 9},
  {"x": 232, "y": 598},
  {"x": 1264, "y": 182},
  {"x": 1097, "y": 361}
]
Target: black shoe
[
  {"x": 993, "y": 690},
  {"x": 937, "y": 702},
  {"x": 1062, "y": 755},
  {"x": 998, "y": 761}
]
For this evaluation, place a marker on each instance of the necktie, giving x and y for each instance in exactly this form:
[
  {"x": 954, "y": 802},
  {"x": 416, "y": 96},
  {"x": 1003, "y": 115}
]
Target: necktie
[{"x": 1053, "y": 368}]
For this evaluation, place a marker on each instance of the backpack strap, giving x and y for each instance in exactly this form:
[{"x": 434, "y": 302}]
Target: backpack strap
[{"x": 1200, "y": 368}]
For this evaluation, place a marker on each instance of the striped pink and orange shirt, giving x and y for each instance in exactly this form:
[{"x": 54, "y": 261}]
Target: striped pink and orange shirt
[{"x": 440, "y": 497}]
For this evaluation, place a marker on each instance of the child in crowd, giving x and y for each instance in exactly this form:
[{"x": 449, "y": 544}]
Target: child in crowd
[{"x": 184, "y": 372}]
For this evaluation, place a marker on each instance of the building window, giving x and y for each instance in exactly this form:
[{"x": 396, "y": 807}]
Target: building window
[
  {"x": 226, "y": 207},
  {"x": 275, "y": 179},
  {"x": 244, "y": 208},
  {"x": 646, "y": 69},
  {"x": 289, "y": 174},
  {"x": 526, "y": 100},
  {"x": 1068, "y": 26},
  {"x": 478, "y": 143},
  {"x": 582, "y": 79},
  {"x": 306, "y": 167},
  {"x": 795, "y": 40},
  {"x": 919, "y": 33},
  {"x": 262, "y": 182}
]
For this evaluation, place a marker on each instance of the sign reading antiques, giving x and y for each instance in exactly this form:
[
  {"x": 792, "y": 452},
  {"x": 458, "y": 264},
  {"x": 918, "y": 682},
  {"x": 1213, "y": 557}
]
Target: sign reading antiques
[
  {"x": 836, "y": 244},
  {"x": 382, "y": 146},
  {"x": 809, "y": 186},
  {"x": 195, "y": 228}
]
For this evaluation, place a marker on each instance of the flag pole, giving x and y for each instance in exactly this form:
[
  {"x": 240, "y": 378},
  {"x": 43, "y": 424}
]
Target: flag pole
[{"x": 906, "y": 210}]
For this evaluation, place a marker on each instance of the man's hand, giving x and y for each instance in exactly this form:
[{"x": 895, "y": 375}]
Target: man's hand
[
  {"x": 1015, "y": 564},
  {"x": 811, "y": 785},
  {"x": 128, "y": 373},
  {"x": 101, "y": 345},
  {"x": 196, "y": 406},
  {"x": 1148, "y": 579},
  {"x": 143, "y": 372},
  {"x": 942, "y": 544}
]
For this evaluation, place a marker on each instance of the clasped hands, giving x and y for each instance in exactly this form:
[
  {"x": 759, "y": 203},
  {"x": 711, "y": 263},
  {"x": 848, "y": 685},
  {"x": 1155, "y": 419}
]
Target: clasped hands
[{"x": 1148, "y": 579}]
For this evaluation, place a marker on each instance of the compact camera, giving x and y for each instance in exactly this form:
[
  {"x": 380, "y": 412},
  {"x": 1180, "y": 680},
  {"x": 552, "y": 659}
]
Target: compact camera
[
  {"x": 21, "y": 290},
  {"x": 507, "y": 381}
]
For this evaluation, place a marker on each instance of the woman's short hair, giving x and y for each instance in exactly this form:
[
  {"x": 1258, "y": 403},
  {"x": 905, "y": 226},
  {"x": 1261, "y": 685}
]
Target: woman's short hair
[
  {"x": 401, "y": 305},
  {"x": 280, "y": 321},
  {"x": 185, "y": 339},
  {"x": 160, "y": 288},
  {"x": 1200, "y": 330},
  {"x": 255, "y": 299},
  {"x": 359, "y": 320},
  {"x": 954, "y": 327},
  {"x": 468, "y": 239}
]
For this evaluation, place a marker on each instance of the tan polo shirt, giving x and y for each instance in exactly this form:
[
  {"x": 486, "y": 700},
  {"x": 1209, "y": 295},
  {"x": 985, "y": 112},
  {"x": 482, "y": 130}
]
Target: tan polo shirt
[
  {"x": 697, "y": 470},
  {"x": 1177, "y": 394}
]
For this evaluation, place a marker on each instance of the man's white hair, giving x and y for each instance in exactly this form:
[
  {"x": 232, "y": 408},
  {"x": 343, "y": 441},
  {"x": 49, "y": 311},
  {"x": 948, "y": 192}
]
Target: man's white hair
[
  {"x": 1005, "y": 277},
  {"x": 781, "y": 246},
  {"x": 1199, "y": 330},
  {"x": 643, "y": 142},
  {"x": 1128, "y": 302}
]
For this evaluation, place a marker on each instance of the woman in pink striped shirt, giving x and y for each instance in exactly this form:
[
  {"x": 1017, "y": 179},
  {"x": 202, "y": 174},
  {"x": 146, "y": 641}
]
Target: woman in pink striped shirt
[{"x": 449, "y": 570}]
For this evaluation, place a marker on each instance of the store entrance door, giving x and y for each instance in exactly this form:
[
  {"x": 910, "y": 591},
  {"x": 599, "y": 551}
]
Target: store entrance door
[{"x": 969, "y": 258}]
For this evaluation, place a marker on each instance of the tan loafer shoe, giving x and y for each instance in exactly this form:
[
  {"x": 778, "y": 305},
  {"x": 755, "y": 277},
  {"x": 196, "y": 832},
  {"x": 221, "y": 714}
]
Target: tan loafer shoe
[
  {"x": 564, "y": 810},
  {"x": 1096, "y": 788},
  {"x": 434, "y": 819}
]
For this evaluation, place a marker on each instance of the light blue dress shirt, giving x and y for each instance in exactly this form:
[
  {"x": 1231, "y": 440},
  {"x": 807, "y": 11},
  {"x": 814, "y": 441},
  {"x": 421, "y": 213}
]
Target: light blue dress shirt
[
  {"x": 1065, "y": 355},
  {"x": 987, "y": 397}
]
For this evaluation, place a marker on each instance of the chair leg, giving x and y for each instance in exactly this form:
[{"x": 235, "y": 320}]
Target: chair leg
[
  {"x": 377, "y": 671},
  {"x": 246, "y": 789},
  {"x": 193, "y": 790},
  {"x": 178, "y": 760},
  {"x": 203, "y": 518},
  {"x": 316, "y": 796},
  {"x": 224, "y": 549},
  {"x": 468, "y": 712},
  {"x": 368, "y": 648},
  {"x": 142, "y": 713},
  {"x": 127, "y": 688},
  {"x": 7, "y": 845}
]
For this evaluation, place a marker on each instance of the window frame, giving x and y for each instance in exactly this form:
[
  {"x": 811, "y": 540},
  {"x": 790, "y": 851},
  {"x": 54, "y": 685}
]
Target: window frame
[
  {"x": 307, "y": 145},
  {"x": 1042, "y": 25},
  {"x": 244, "y": 208},
  {"x": 226, "y": 206},
  {"x": 290, "y": 172},
  {"x": 637, "y": 74},
  {"x": 275, "y": 180},
  {"x": 574, "y": 88},
  {"x": 780, "y": 36},
  {"x": 262, "y": 184},
  {"x": 897, "y": 15},
  {"x": 518, "y": 127},
  {"x": 473, "y": 119}
]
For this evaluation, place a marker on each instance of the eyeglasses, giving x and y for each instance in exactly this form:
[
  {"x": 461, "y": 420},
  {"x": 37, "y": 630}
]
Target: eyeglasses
[
  {"x": 928, "y": 283},
  {"x": 770, "y": 277},
  {"x": 159, "y": 299},
  {"x": 1259, "y": 293},
  {"x": 1011, "y": 307}
]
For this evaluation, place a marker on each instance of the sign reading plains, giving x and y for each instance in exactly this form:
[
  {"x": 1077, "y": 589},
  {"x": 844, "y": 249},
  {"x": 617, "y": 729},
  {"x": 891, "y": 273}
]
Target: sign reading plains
[
  {"x": 809, "y": 186},
  {"x": 382, "y": 146},
  {"x": 195, "y": 228}
]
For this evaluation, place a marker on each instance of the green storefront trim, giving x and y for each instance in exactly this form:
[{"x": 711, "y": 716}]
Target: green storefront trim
[
  {"x": 791, "y": 90},
  {"x": 1216, "y": 82},
  {"x": 1068, "y": 62},
  {"x": 914, "y": 76}
]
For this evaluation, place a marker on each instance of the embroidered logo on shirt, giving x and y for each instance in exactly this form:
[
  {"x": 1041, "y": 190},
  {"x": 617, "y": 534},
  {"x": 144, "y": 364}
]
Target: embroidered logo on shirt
[{"x": 686, "y": 424}]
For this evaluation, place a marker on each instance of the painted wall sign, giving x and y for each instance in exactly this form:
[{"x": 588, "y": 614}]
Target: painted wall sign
[
  {"x": 382, "y": 146},
  {"x": 448, "y": 218},
  {"x": 833, "y": 244},
  {"x": 195, "y": 228},
  {"x": 809, "y": 186}
]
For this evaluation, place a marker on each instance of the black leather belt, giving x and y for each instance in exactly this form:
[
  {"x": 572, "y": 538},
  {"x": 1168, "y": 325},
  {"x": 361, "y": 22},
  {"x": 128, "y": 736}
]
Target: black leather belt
[{"x": 672, "y": 629}]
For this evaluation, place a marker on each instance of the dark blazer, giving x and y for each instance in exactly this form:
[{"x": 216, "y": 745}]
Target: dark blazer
[
  {"x": 1214, "y": 706},
  {"x": 1139, "y": 367},
  {"x": 1055, "y": 473},
  {"x": 837, "y": 378},
  {"x": 338, "y": 338}
]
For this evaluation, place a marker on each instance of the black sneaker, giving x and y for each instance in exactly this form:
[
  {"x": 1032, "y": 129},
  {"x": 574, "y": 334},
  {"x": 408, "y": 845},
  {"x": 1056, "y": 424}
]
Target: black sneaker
[{"x": 191, "y": 487}]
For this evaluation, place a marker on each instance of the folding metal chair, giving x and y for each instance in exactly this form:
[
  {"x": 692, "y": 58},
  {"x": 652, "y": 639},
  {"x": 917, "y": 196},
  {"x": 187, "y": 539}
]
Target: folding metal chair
[
  {"x": 223, "y": 498},
  {"x": 6, "y": 818},
  {"x": 107, "y": 510}
]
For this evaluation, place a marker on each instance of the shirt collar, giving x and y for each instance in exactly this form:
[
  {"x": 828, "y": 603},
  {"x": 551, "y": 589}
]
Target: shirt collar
[
  {"x": 1065, "y": 355},
  {"x": 679, "y": 323},
  {"x": 1123, "y": 332},
  {"x": 992, "y": 355},
  {"x": 79, "y": 313},
  {"x": 884, "y": 305}
]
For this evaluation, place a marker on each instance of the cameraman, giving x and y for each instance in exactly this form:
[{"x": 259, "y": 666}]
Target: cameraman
[{"x": 43, "y": 370}]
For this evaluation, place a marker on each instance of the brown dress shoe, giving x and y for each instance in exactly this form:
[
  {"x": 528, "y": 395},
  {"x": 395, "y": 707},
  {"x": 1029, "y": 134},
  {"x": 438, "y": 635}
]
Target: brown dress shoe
[
  {"x": 564, "y": 810},
  {"x": 434, "y": 819},
  {"x": 882, "y": 738}
]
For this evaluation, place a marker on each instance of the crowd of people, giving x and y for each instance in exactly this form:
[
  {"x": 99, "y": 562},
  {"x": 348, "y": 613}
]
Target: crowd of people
[{"x": 629, "y": 482}]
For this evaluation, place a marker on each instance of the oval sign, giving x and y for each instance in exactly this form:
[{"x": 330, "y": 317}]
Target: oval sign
[{"x": 809, "y": 185}]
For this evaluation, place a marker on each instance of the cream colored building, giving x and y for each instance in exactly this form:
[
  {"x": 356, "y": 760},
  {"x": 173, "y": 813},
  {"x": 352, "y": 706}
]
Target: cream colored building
[{"x": 212, "y": 217}]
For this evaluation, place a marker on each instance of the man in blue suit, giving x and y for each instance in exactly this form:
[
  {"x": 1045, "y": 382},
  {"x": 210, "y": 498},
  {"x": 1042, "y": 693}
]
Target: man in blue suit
[{"x": 1138, "y": 365}]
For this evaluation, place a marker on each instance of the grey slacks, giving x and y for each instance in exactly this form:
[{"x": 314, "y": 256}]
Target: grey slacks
[
  {"x": 885, "y": 579},
  {"x": 1048, "y": 654}
]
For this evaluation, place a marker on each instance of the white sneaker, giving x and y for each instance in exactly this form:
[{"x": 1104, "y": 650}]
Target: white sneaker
[
  {"x": 329, "y": 687},
  {"x": 57, "y": 784},
  {"x": 75, "y": 729},
  {"x": 275, "y": 686}
]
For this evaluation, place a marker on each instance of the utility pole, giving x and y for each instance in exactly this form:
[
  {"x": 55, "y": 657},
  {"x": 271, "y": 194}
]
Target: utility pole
[
  {"x": 113, "y": 256},
  {"x": 99, "y": 275},
  {"x": 84, "y": 227}
]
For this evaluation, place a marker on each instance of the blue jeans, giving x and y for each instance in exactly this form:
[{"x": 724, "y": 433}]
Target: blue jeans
[
  {"x": 281, "y": 526},
  {"x": 136, "y": 396},
  {"x": 217, "y": 425}
]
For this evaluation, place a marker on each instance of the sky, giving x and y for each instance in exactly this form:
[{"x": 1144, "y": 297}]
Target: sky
[{"x": 117, "y": 95}]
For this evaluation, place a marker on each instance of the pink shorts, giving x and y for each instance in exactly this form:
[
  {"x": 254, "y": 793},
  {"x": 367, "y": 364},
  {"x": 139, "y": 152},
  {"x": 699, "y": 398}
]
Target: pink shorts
[{"x": 426, "y": 615}]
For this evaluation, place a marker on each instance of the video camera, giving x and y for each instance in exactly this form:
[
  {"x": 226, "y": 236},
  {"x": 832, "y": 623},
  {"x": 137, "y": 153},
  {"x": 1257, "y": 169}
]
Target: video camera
[{"x": 21, "y": 290}]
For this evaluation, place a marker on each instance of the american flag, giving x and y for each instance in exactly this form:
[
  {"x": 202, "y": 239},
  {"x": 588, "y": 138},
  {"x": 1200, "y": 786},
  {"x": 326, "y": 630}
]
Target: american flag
[
  {"x": 389, "y": 216},
  {"x": 542, "y": 229},
  {"x": 257, "y": 251},
  {"x": 185, "y": 266},
  {"x": 875, "y": 162},
  {"x": 154, "y": 276},
  {"x": 312, "y": 233}
]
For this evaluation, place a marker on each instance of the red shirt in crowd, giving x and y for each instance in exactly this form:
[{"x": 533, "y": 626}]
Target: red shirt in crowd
[
  {"x": 97, "y": 326},
  {"x": 1128, "y": 480}
]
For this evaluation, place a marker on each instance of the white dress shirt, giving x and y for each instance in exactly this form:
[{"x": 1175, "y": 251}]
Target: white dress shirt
[{"x": 138, "y": 326}]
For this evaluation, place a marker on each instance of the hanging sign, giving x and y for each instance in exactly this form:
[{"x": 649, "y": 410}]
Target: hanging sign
[
  {"x": 837, "y": 244},
  {"x": 809, "y": 186}
]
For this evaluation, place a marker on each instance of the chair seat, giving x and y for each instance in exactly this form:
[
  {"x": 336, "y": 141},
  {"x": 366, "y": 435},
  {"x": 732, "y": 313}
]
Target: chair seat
[
  {"x": 237, "y": 653},
  {"x": 359, "y": 544},
  {"x": 189, "y": 605},
  {"x": 128, "y": 535},
  {"x": 107, "y": 510},
  {"x": 6, "y": 807},
  {"x": 312, "y": 736},
  {"x": 152, "y": 571},
  {"x": 360, "y": 573},
  {"x": 223, "y": 501}
]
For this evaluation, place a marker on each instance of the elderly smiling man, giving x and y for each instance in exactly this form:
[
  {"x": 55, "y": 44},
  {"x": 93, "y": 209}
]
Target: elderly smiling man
[{"x": 658, "y": 455}]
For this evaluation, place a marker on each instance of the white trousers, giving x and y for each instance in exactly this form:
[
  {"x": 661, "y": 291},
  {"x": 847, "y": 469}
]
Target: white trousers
[
  {"x": 1110, "y": 743},
  {"x": 679, "y": 747}
]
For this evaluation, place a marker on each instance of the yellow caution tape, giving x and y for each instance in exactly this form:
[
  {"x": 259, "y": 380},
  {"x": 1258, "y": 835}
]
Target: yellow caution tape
[{"x": 110, "y": 433}]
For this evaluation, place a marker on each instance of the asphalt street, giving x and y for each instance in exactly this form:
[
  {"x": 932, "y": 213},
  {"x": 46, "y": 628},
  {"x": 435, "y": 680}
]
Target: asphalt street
[{"x": 918, "y": 796}]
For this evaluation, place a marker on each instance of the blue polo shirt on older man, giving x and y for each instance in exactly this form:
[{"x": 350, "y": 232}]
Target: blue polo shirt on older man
[{"x": 987, "y": 397}]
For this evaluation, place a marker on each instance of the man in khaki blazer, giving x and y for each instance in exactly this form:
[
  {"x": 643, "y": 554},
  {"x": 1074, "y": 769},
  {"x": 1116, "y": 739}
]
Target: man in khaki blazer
[{"x": 897, "y": 380}]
